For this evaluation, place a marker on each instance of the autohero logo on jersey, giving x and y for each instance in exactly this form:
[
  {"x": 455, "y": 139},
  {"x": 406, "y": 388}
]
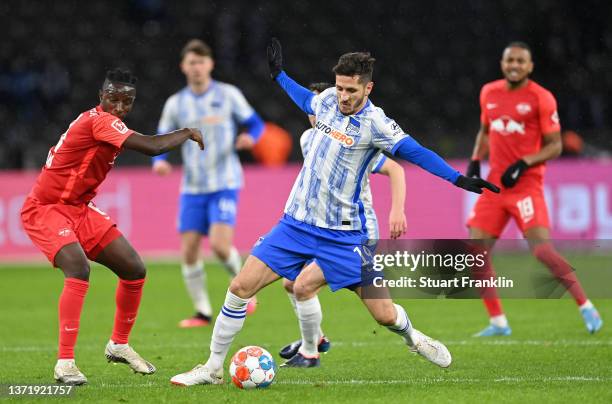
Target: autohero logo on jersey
[
  {"x": 119, "y": 126},
  {"x": 505, "y": 126},
  {"x": 342, "y": 138}
]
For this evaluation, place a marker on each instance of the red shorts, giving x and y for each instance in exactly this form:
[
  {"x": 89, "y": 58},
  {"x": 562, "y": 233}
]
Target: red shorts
[
  {"x": 53, "y": 226},
  {"x": 526, "y": 205}
]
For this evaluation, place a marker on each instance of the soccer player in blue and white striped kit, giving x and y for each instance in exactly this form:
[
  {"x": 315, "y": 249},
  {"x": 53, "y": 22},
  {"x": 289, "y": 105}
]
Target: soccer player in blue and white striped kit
[
  {"x": 211, "y": 179},
  {"x": 324, "y": 216},
  {"x": 304, "y": 300}
]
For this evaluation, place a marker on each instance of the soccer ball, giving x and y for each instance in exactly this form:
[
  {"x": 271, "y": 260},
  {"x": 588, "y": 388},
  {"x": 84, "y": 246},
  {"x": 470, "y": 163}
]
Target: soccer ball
[{"x": 252, "y": 367}]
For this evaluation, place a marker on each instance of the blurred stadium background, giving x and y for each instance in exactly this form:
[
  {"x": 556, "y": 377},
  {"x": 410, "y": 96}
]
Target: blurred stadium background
[{"x": 433, "y": 57}]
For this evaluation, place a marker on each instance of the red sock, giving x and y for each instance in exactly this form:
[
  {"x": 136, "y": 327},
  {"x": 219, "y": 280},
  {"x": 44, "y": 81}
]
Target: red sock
[
  {"x": 128, "y": 299},
  {"x": 489, "y": 295},
  {"x": 560, "y": 268},
  {"x": 69, "y": 308},
  {"x": 494, "y": 307}
]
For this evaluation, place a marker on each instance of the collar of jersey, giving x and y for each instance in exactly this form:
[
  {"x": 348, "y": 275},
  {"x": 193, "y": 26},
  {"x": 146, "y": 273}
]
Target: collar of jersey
[{"x": 194, "y": 95}]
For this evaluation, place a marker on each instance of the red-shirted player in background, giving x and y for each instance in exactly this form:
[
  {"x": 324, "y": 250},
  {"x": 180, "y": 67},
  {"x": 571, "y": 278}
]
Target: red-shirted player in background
[
  {"x": 62, "y": 221},
  {"x": 520, "y": 130}
]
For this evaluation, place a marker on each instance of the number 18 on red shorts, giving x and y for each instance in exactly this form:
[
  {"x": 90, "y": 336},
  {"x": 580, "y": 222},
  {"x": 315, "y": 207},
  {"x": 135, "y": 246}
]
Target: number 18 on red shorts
[{"x": 526, "y": 206}]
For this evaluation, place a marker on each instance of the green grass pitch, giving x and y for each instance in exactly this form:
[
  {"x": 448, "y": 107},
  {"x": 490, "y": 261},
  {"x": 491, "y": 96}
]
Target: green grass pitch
[{"x": 549, "y": 358}]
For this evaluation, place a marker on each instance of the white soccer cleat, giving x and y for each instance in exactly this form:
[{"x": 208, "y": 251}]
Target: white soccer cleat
[
  {"x": 125, "y": 354},
  {"x": 431, "y": 349},
  {"x": 67, "y": 372},
  {"x": 198, "y": 375}
]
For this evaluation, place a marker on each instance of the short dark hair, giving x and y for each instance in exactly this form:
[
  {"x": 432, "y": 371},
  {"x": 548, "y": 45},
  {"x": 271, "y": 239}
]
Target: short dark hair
[
  {"x": 319, "y": 87},
  {"x": 123, "y": 76},
  {"x": 196, "y": 46},
  {"x": 519, "y": 44},
  {"x": 356, "y": 64}
]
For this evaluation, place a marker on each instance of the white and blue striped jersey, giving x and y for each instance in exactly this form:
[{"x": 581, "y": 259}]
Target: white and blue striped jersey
[
  {"x": 329, "y": 189},
  {"x": 366, "y": 195},
  {"x": 216, "y": 112}
]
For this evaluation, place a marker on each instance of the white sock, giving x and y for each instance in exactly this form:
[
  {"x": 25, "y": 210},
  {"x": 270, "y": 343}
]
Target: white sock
[
  {"x": 499, "y": 321},
  {"x": 65, "y": 361},
  {"x": 228, "y": 323},
  {"x": 310, "y": 316},
  {"x": 402, "y": 326},
  {"x": 233, "y": 264},
  {"x": 586, "y": 305},
  {"x": 115, "y": 345},
  {"x": 195, "y": 282},
  {"x": 293, "y": 301}
]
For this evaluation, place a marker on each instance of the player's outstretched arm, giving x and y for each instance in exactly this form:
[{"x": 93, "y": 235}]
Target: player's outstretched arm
[
  {"x": 155, "y": 145},
  {"x": 301, "y": 96},
  {"x": 397, "y": 178},
  {"x": 410, "y": 150}
]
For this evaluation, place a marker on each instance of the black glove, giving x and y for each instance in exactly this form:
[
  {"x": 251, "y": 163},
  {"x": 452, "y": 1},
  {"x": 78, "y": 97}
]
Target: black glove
[
  {"x": 275, "y": 58},
  {"x": 473, "y": 169},
  {"x": 475, "y": 184},
  {"x": 513, "y": 173}
]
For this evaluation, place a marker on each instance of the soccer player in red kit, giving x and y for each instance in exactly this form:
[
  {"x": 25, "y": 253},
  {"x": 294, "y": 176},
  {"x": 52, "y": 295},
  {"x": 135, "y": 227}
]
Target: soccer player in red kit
[
  {"x": 63, "y": 222},
  {"x": 520, "y": 130}
]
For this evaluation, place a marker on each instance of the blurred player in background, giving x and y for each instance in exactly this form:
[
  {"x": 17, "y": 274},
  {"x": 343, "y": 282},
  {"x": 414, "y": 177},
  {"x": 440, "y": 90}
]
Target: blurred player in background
[
  {"x": 324, "y": 218},
  {"x": 211, "y": 180},
  {"x": 305, "y": 351},
  {"x": 60, "y": 218},
  {"x": 520, "y": 130}
]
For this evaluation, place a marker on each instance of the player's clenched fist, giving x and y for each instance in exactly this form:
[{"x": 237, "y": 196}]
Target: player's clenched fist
[
  {"x": 473, "y": 169},
  {"x": 244, "y": 141},
  {"x": 162, "y": 167},
  {"x": 512, "y": 174}
]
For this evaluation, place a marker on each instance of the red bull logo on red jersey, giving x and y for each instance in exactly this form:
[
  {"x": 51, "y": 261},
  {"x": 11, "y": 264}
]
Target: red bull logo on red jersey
[{"x": 505, "y": 126}]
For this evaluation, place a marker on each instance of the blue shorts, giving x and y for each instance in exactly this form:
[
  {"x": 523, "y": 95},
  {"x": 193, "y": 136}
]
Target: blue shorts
[
  {"x": 198, "y": 211},
  {"x": 291, "y": 244}
]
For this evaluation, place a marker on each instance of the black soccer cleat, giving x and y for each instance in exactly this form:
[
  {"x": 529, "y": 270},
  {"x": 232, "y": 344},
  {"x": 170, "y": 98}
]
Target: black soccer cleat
[
  {"x": 289, "y": 351},
  {"x": 300, "y": 361}
]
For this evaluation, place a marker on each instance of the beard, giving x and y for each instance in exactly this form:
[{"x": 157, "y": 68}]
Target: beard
[{"x": 352, "y": 107}]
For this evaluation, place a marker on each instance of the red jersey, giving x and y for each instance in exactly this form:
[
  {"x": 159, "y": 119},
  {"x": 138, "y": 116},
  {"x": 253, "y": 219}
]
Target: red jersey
[
  {"x": 79, "y": 162},
  {"x": 517, "y": 121}
]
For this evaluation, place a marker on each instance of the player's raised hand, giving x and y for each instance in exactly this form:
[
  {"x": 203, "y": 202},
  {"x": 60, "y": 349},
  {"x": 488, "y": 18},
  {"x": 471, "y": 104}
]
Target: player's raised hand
[
  {"x": 397, "y": 224},
  {"x": 512, "y": 174},
  {"x": 275, "y": 57},
  {"x": 473, "y": 169},
  {"x": 475, "y": 184},
  {"x": 196, "y": 136}
]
